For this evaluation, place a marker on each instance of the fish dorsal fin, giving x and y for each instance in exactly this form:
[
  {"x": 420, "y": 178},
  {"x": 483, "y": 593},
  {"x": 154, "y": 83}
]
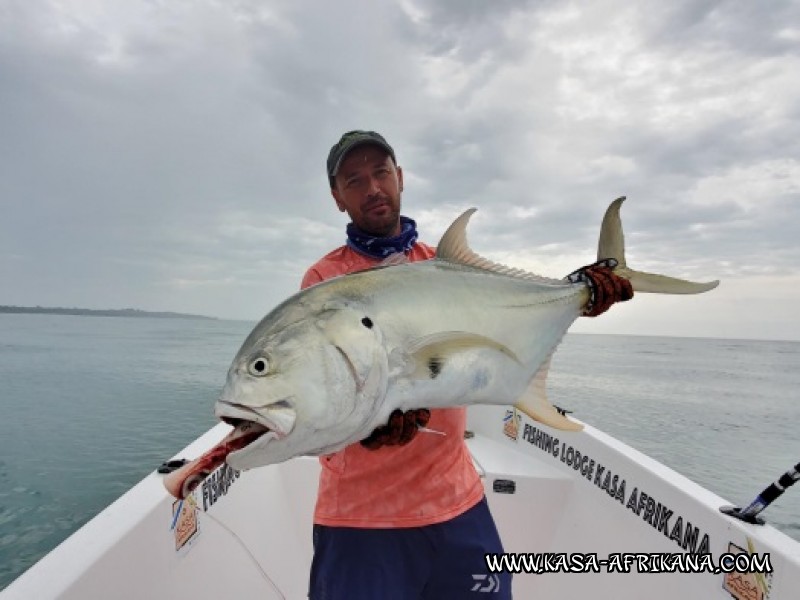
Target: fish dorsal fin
[
  {"x": 453, "y": 247},
  {"x": 535, "y": 404}
]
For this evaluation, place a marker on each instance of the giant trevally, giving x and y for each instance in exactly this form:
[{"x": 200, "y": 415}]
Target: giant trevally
[{"x": 331, "y": 363}]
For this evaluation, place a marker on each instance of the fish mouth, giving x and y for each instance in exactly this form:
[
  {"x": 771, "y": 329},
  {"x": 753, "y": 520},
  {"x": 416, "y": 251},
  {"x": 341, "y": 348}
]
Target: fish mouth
[
  {"x": 278, "y": 416},
  {"x": 182, "y": 482},
  {"x": 249, "y": 426}
]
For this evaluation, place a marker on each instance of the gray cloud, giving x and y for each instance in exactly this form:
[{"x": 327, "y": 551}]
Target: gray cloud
[{"x": 170, "y": 156}]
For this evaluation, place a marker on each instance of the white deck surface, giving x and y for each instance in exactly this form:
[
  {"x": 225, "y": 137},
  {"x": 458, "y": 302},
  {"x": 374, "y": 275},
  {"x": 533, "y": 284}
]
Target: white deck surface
[{"x": 128, "y": 551}]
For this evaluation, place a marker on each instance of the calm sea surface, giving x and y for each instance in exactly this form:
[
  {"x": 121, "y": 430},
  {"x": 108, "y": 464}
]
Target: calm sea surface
[{"x": 90, "y": 405}]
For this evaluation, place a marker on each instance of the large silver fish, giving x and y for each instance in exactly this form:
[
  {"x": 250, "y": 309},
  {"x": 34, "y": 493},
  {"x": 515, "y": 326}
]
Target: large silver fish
[{"x": 330, "y": 364}]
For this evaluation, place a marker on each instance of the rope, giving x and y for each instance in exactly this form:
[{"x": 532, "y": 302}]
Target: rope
[{"x": 264, "y": 576}]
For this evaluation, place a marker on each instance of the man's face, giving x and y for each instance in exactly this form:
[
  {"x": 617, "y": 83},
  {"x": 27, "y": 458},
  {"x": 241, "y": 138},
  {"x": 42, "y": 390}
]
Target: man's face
[{"x": 368, "y": 188}]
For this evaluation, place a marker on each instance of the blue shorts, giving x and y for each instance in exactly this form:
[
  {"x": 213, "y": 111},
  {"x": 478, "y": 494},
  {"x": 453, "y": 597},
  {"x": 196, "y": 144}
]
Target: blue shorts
[{"x": 443, "y": 561}]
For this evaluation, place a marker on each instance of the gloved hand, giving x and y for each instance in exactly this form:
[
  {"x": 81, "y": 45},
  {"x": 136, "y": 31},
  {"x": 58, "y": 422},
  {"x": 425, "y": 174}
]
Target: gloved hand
[
  {"x": 400, "y": 430},
  {"x": 605, "y": 287}
]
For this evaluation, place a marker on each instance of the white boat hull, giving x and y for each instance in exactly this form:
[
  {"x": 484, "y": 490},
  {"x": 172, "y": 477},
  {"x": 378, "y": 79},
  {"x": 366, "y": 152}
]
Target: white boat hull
[{"x": 265, "y": 515}]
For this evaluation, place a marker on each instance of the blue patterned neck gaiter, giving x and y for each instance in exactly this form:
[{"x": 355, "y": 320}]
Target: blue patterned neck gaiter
[{"x": 381, "y": 247}]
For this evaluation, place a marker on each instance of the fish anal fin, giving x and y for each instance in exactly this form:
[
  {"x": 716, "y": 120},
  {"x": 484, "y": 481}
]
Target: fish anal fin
[
  {"x": 535, "y": 404},
  {"x": 431, "y": 352}
]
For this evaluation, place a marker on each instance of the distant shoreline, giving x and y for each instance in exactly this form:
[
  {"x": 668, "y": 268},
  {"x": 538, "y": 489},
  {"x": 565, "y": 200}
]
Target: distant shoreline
[{"x": 88, "y": 312}]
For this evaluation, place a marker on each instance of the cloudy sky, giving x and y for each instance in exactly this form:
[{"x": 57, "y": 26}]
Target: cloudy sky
[{"x": 169, "y": 154}]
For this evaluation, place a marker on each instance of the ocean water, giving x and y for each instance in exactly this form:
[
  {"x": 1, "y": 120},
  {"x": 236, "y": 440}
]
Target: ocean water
[{"x": 90, "y": 405}]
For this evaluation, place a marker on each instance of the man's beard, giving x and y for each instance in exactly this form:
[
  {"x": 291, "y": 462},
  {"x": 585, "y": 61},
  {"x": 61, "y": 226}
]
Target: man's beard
[{"x": 382, "y": 226}]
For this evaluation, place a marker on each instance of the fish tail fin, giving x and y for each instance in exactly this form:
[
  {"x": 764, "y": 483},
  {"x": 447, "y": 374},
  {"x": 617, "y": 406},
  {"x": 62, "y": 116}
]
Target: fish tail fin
[{"x": 612, "y": 245}]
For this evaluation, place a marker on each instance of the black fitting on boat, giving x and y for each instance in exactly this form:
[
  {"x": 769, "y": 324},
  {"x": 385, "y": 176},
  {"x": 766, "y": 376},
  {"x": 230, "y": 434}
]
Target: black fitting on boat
[
  {"x": 749, "y": 513},
  {"x": 504, "y": 486},
  {"x": 739, "y": 513},
  {"x": 172, "y": 465}
]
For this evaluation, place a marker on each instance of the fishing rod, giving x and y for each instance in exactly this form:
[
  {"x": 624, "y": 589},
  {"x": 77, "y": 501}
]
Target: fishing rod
[{"x": 773, "y": 491}]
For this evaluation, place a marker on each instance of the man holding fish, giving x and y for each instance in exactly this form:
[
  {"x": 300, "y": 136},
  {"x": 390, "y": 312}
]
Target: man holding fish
[
  {"x": 402, "y": 514},
  {"x": 347, "y": 368}
]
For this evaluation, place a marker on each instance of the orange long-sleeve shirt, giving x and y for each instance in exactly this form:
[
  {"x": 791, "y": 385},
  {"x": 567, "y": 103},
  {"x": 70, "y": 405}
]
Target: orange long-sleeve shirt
[{"x": 430, "y": 480}]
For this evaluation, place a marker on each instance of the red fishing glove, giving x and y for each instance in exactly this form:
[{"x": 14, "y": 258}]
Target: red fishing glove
[
  {"x": 605, "y": 287},
  {"x": 400, "y": 430}
]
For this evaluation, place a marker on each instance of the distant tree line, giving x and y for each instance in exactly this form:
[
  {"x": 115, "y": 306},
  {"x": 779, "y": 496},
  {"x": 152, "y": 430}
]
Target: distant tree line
[{"x": 87, "y": 312}]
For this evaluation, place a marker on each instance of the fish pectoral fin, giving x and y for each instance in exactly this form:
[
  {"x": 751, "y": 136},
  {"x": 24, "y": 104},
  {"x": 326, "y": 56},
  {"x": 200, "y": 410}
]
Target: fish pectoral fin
[
  {"x": 535, "y": 404},
  {"x": 431, "y": 352},
  {"x": 612, "y": 245}
]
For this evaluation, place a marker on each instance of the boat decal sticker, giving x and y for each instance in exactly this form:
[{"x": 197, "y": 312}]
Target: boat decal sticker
[
  {"x": 743, "y": 585},
  {"x": 630, "y": 496},
  {"x": 511, "y": 424},
  {"x": 185, "y": 525}
]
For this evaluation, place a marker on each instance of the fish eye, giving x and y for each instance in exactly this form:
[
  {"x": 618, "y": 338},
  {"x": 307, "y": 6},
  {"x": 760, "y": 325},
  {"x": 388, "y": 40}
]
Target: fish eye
[
  {"x": 367, "y": 322},
  {"x": 259, "y": 367}
]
